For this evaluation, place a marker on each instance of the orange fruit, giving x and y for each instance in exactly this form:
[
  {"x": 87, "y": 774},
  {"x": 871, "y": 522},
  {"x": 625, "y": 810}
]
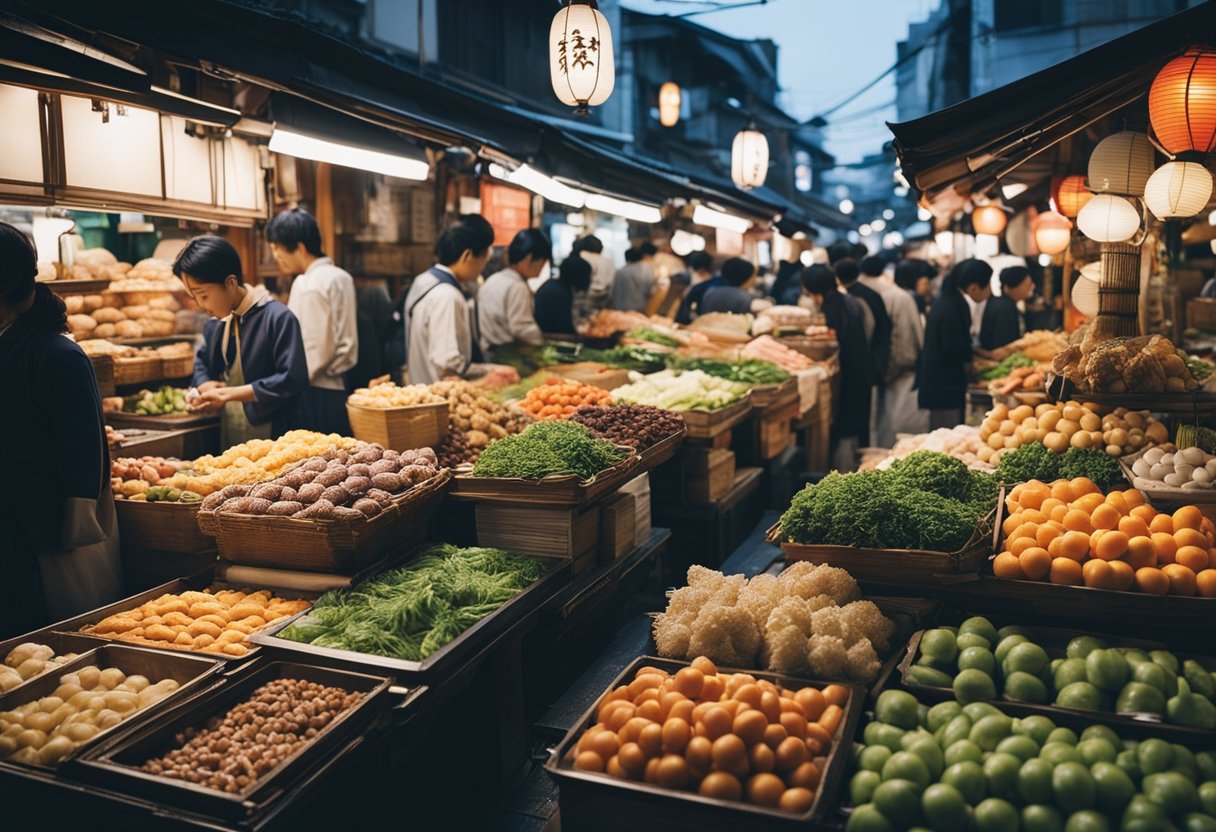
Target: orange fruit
[
  {"x": 1068, "y": 572},
  {"x": 1133, "y": 526},
  {"x": 1058, "y": 513},
  {"x": 1165, "y": 545},
  {"x": 1007, "y": 566},
  {"x": 1097, "y": 573},
  {"x": 1078, "y": 521},
  {"x": 1116, "y": 500},
  {"x": 1134, "y": 497},
  {"x": 1141, "y": 552},
  {"x": 1033, "y": 495},
  {"x": 1054, "y": 547},
  {"x": 1080, "y": 486},
  {"x": 1046, "y": 533},
  {"x": 1035, "y": 563},
  {"x": 1205, "y": 583},
  {"x": 1161, "y": 523},
  {"x": 1105, "y": 516},
  {"x": 1182, "y": 580},
  {"x": 1122, "y": 575},
  {"x": 1190, "y": 537},
  {"x": 1018, "y": 545},
  {"x": 1059, "y": 490},
  {"x": 1089, "y": 502},
  {"x": 1111, "y": 545},
  {"x": 1193, "y": 558},
  {"x": 1074, "y": 546},
  {"x": 1145, "y": 513},
  {"x": 1206, "y": 525},
  {"x": 1013, "y": 521},
  {"x": 1152, "y": 581},
  {"x": 1187, "y": 517},
  {"x": 1050, "y": 505},
  {"x": 1033, "y": 515}
]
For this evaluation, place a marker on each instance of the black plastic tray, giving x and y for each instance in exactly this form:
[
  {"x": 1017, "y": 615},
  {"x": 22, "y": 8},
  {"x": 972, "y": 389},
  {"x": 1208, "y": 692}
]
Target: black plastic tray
[
  {"x": 114, "y": 765},
  {"x": 59, "y": 642}
]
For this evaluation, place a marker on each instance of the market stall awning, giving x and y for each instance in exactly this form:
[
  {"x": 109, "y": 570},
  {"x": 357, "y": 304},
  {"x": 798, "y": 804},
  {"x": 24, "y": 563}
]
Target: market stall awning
[{"x": 973, "y": 144}]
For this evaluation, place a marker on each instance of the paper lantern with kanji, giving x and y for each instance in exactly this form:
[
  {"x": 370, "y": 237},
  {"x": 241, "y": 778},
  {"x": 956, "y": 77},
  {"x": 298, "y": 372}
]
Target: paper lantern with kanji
[
  {"x": 988, "y": 219},
  {"x": 1121, "y": 164},
  {"x": 669, "y": 104},
  {"x": 1052, "y": 232},
  {"x": 1071, "y": 195},
  {"x": 1109, "y": 219},
  {"x": 1182, "y": 103},
  {"x": 581, "y": 64},
  {"x": 1178, "y": 189},
  {"x": 749, "y": 158}
]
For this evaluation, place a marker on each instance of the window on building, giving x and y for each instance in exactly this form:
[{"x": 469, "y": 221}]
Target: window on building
[{"x": 1026, "y": 14}]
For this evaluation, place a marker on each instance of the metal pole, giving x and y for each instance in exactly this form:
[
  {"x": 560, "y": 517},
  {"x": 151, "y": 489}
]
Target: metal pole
[{"x": 422, "y": 34}]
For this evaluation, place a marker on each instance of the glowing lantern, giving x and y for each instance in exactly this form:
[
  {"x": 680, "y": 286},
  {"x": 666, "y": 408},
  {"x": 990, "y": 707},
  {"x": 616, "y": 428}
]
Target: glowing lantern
[
  {"x": 669, "y": 104},
  {"x": 1109, "y": 219},
  {"x": 580, "y": 56},
  {"x": 1071, "y": 195},
  {"x": 1182, "y": 103},
  {"x": 1121, "y": 164},
  {"x": 749, "y": 158},
  {"x": 1052, "y": 232},
  {"x": 1178, "y": 189},
  {"x": 988, "y": 219}
]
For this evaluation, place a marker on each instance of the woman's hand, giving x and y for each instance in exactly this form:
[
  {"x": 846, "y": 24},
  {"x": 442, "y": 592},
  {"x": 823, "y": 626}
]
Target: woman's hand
[
  {"x": 213, "y": 399},
  {"x": 209, "y": 385}
]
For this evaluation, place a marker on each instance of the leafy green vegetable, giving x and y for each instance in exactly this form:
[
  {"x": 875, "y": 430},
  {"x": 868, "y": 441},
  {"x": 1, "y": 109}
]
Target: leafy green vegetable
[
  {"x": 412, "y": 611},
  {"x": 1032, "y": 461},
  {"x": 1093, "y": 463},
  {"x": 544, "y": 448},
  {"x": 748, "y": 371},
  {"x": 1007, "y": 366},
  {"x": 646, "y": 333},
  {"x": 1201, "y": 370}
]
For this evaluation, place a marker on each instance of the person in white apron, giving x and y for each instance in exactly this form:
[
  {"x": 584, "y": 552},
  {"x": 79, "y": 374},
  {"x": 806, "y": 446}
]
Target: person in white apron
[{"x": 251, "y": 366}]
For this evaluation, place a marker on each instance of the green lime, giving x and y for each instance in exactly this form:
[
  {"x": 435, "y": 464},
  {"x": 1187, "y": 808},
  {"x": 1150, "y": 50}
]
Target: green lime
[
  {"x": 904, "y": 765},
  {"x": 1001, "y": 770},
  {"x": 1064, "y": 735},
  {"x": 1205, "y": 761},
  {"x": 1087, "y": 821},
  {"x": 1143, "y": 815},
  {"x": 1172, "y": 792},
  {"x": 1073, "y": 786},
  {"x": 1198, "y": 822},
  {"x": 899, "y": 802},
  {"x": 940, "y": 645},
  {"x": 1129, "y": 764},
  {"x": 945, "y": 809},
  {"x": 867, "y": 818},
  {"x": 980, "y": 626},
  {"x": 996, "y": 815},
  {"x": 1082, "y": 646},
  {"x": 1039, "y": 818},
  {"x": 913, "y": 736},
  {"x": 1141, "y": 698},
  {"x": 1034, "y": 781},
  {"x": 990, "y": 730},
  {"x": 862, "y": 786},
  {"x": 973, "y": 686},
  {"x": 976, "y": 711},
  {"x": 977, "y": 658},
  {"x": 963, "y": 751},
  {"x": 1167, "y": 660},
  {"x": 879, "y": 733},
  {"x": 1207, "y": 797},
  {"x": 872, "y": 757},
  {"x": 1096, "y": 750},
  {"x": 896, "y": 707},
  {"x": 966, "y": 640},
  {"x": 1038, "y": 728},
  {"x": 942, "y": 713},
  {"x": 1024, "y": 748},
  {"x": 1026, "y": 657},
  {"x": 1012, "y": 630},
  {"x": 1060, "y": 752},
  {"x": 1107, "y": 669},
  {"x": 1069, "y": 671},
  {"x": 1081, "y": 696},
  {"x": 1104, "y": 732},
  {"x": 957, "y": 729},
  {"x": 1112, "y": 787},
  {"x": 1135, "y": 656},
  {"x": 1155, "y": 756},
  {"x": 923, "y": 674},
  {"x": 1024, "y": 687},
  {"x": 930, "y": 754},
  {"x": 969, "y": 779},
  {"x": 1008, "y": 643},
  {"x": 1149, "y": 673}
]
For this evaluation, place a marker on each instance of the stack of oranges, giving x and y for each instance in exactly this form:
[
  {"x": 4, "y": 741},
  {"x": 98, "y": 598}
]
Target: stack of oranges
[
  {"x": 560, "y": 399},
  {"x": 1070, "y": 534}
]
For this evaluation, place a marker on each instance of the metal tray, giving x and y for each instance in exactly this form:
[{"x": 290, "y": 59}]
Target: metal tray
[
  {"x": 594, "y": 801},
  {"x": 529, "y": 600},
  {"x": 114, "y": 765},
  {"x": 189, "y": 671},
  {"x": 59, "y": 642}
]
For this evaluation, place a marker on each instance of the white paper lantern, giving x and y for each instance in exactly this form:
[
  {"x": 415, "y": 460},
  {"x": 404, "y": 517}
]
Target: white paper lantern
[
  {"x": 1052, "y": 232},
  {"x": 1085, "y": 298},
  {"x": 1178, "y": 189},
  {"x": 580, "y": 55},
  {"x": 1121, "y": 164},
  {"x": 1109, "y": 219},
  {"x": 670, "y": 99},
  {"x": 1092, "y": 271},
  {"x": 749, "y": 158}
]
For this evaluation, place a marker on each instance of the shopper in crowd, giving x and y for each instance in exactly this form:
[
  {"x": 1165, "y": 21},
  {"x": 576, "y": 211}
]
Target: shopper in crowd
[
  {"x": 786, "y": 288},
  {"x": 440, "y": 326},
  {"x": 913, "y": 276},
  {"x": 59, "y": 547},
  {"x": 591, "y": 249},
  {"x": 942, "y": 375},
  {"x": 1002, "y": 322},
  {"x": 323, "y": 299},
  {"x": 554, "y": 306},
  {"x": 504, "y": 302},
  {"x": 635, "y": 283},
  {"x": 849, "y": 273},
  {"x": 251, "y": 366},
  {"x": 738, "y": 275},
  {"x": 374, "y": 320},
  {"x": 896, "y": 409},
  {"x": 851, "y": 409},
  {"x": 701, "y": 275}
]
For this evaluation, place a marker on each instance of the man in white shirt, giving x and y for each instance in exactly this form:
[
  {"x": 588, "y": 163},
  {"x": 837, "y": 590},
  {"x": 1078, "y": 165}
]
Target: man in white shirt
[
  {"x": 504, "y": 302},
  {"x": 439, "y": 324},
  {"x": 323, "y": 299},
  {"x": 897, "y": 412},
  {"x": 603, "y": 271}
]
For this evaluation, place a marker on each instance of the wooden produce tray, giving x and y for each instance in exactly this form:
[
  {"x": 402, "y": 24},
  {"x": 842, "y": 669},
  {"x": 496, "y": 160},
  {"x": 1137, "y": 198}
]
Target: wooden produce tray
[
  {"x": 400, "y": 428},
  {"x": 137, "y": 370},
  {"x": 555, "y": 490},
  {"x": 1196, "y": 401},
  {"x": 765, "y": 396},
  {"x": 660, "y": 452},
  {"x": 706, "y": 424},
  {"x": 118, "y": 420},
  {"x": 816, "y": 349},
  {"x": 103, "y": 369},
  {"x": 343, "y": 546},
  {"x": 166, "y": 527},
  {"x": 596, "y": 802}
]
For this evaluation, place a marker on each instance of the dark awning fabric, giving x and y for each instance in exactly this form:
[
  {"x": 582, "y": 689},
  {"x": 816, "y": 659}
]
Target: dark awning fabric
[{"x": 972, "y": 144}]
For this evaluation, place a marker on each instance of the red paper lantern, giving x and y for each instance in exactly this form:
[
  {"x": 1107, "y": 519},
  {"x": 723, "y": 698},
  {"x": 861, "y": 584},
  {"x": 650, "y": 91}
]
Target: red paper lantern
[
  {"x": 1071, "y": 195},
  {"x": 988, "y": 219},
  {"x": 1182, "y": 103}
]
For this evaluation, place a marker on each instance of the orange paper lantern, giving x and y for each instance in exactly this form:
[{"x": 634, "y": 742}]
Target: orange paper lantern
[
  {"x": 1052, "y": 232},
  {"x": 1071, "y": 195},
  {"x": 1182, "y": 103},
  {"x": 988, "y": 219}
]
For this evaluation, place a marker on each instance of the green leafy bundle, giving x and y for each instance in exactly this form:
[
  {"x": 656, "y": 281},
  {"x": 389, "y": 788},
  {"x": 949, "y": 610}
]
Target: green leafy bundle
[
  {"x": 544, "y": 448},
  {"x": 645, "y": 333},
  {"x": 1033, "y": 461},
  {"x": 410, "y": 612},
  {"x": 748, "y": 371},
  {"x": 1007, "y": 366}
]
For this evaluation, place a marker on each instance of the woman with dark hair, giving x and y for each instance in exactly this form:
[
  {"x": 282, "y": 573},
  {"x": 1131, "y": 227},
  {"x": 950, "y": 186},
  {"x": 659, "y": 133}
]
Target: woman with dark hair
[
  {"x": 942, "y": 375},
  {"x": 554, "y": 303},
  {"x": 251, "y": 366},
  {"x": 60, "y": 541}
]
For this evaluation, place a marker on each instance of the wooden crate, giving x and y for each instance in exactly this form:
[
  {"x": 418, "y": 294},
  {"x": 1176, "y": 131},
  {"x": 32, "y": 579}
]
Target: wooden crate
[
  {"x": 775, "y": 437},
  {"x": 554, "y": 531},
  {"x": 1201, "y": 313},
  {"x": 400, "y": 428},
  {"x": 639, "y": 489},
  {"x": 617, "y": 527},
  {"x": 592, "y": 373},
  {"x": 706, "y": 424},
  {"x": 710, "y": 474}
]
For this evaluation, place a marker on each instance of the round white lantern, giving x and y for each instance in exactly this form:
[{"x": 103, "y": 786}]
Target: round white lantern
[
  {"x": 1109, "y": 219},
  {"x": 749, "y": 158},
  {"x": 580, "y": 55},
  {"x": 1052, "y": 232},
  {"x": 1178, "y": 189},
  {"x": 669, "y": 104},
  {"x": 1092, "y": 271},
  {"x": 1121, "y": 164}
]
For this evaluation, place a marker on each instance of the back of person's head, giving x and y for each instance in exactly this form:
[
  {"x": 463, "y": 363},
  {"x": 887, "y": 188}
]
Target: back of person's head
[
  {"x": 470, "y": 232},
  {"x": 846, "y": 270},
  {"x": 839, "y": 251},
  {"x": 589, "y": 243},
  {"x": 736, "y": 271},
  {"x": 295, "y": 227},
  {"x": 209, "y": 259},
  {"x": 969, "y": 272},
  {"x": 818, "y": 280},
  {"x": 873, "y": 266},
  {"x": 647, "y": 249},
  {"x": 18, "y": 265},
  {"x": 575, "y": 272},
  {"x": 1014, "y": 276},
  {"x": 700, "y": 261},
  {"x": 633, "y": 255},
  {"x": 907, "y": 272},
  {"x": 531, "y": 242}
]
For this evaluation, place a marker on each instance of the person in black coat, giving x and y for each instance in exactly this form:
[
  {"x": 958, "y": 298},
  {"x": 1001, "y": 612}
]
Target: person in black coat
[
  {"x": 942, "y": 374},
  {"x": 553, "y": 305},
  {"x": 1002, "y": 323},
  {"x": 851, "y": 415}
]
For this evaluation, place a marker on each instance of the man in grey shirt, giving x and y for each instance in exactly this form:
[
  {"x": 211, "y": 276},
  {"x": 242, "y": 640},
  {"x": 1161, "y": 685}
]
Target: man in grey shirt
[
  {"x": 634, "y": 284},
  {"x": 504, "y": 303}
]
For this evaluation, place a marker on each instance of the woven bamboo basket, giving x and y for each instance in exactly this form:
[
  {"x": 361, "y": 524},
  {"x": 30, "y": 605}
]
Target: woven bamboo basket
[
  {"x": 400, "y": 428},
  {"x": 166, "y": 527},
  {"x": 137, "y": 370},
  {"x": 182, "y": 367}
]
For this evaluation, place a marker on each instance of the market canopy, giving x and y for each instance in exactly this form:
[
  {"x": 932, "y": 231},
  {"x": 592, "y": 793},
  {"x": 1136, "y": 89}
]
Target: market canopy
[{"x": 972, "y": 145}]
